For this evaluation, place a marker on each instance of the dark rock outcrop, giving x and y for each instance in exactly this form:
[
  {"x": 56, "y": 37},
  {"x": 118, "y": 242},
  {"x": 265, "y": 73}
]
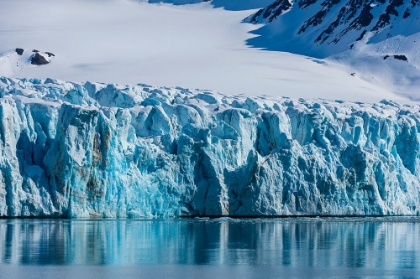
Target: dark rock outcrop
[
  {"x": 401, "y": 57},
  {"x": 41, "y": 57},
  {"x": 19, "y": 51},
  {"x": 38, "y": 59},
  {"x": 397, "y": 57}
]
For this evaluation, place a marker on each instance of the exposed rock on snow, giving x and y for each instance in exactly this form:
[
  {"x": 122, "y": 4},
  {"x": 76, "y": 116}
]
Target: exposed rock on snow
[
  {"x": 397, "y": 57},
  {"x": 98, "y": 150},
  {"x": 19, "y": 51},
  {"x": 401, "y": 57},
  {"x": 41, "y": 58},
  {"x": 272, "y": 11}
]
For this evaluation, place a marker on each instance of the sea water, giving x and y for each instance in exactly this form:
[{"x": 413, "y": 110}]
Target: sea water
[{"x": 211, "y": 248}]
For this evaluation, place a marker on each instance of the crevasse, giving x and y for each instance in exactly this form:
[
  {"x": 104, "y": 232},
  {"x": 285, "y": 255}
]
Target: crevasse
[{"x": 98, "y": 150}]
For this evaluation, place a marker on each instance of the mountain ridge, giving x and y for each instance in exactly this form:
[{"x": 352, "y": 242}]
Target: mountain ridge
[{"x": 334, "y": 22}]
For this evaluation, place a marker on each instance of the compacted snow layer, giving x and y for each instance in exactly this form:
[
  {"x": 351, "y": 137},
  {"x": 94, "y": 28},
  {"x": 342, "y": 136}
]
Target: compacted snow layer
[{"x": 103, "y": 150}]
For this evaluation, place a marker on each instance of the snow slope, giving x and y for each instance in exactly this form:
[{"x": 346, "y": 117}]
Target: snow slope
[
  {"x": 11, "y": 63},
  {"x": 359, "y": 33},
  {"x": 103, "y": 150},
  {"x": 193, "y": 46}
]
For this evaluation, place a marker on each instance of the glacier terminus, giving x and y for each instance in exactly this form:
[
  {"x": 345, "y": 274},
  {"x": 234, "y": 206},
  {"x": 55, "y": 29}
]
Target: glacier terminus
[{"x": 106, "y": 150}]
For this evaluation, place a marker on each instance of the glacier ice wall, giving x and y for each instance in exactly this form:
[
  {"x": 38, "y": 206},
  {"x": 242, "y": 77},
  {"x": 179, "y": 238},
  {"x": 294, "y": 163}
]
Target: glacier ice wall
[{"x": 97, "y": 150}]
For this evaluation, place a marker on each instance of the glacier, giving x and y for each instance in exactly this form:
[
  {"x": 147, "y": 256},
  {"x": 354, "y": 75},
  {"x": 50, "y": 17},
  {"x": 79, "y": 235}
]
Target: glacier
[{"x": 93, "y": 150}]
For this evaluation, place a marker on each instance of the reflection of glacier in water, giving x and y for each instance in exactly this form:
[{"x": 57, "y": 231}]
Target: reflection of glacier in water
[{"x": 356, "y": 245}]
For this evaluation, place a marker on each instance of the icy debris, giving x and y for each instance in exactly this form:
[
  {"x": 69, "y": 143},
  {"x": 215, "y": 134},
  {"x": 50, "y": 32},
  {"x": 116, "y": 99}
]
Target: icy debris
[{"x": 98, "y": 150}]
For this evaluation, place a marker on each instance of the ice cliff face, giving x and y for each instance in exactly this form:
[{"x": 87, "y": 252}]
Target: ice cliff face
[{"x": 97, "y": 150}]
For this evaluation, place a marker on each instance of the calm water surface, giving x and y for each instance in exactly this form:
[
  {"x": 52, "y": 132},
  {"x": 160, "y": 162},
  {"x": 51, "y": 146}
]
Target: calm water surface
[{"x": 211, "y": 248}]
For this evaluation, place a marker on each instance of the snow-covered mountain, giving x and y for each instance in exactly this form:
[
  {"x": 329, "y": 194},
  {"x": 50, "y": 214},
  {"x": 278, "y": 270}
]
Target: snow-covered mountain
[
  {"x": 326, "y": 27},
  {"x": 103, "y": 150},
  {"x": 360, "y": 33}
]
